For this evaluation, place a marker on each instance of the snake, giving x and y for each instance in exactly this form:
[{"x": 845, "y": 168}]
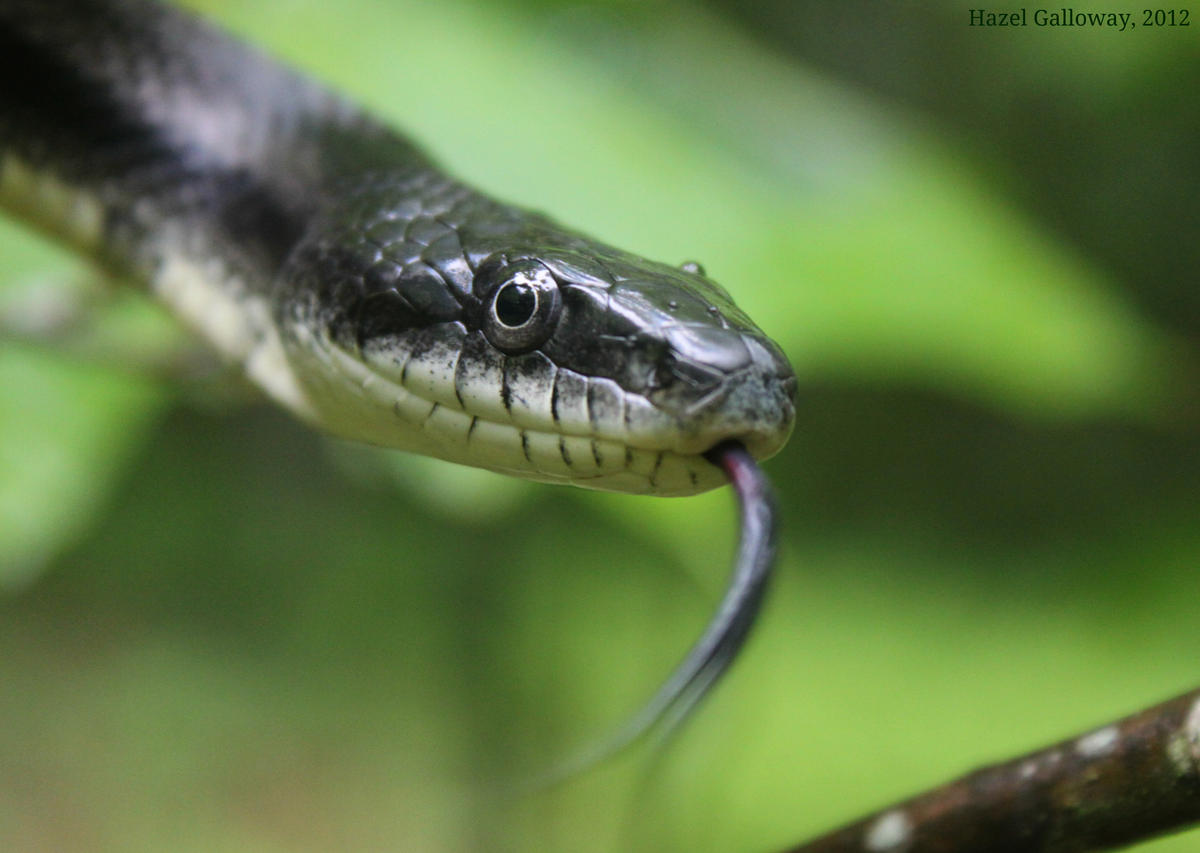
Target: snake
[{"x": 376, "y": 297}]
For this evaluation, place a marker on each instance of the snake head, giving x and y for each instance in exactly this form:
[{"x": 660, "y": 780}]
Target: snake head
[
  {"x": 691, "y": 368},
  {"x": 488, "y": 335}
]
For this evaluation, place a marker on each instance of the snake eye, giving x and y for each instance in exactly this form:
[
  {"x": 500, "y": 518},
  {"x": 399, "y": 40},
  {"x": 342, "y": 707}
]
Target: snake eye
[{"x": 523, "y": 309}]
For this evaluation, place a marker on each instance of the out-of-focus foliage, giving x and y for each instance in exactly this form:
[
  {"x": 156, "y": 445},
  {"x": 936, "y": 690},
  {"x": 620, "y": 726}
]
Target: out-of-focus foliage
[
  {"x": 977, "y": 246},
  {"x": 66, "y": 428}
]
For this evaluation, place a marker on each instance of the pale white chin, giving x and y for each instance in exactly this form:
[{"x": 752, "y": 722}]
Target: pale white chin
[{"x": 346, "y": 397}]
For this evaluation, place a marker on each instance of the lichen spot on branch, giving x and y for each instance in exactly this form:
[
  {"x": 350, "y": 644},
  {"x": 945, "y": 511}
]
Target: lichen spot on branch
[
  {"x": 1098, "y": 743},
  {"x": 1184, "y": 748},
  {"x": 891, "y": 833}
]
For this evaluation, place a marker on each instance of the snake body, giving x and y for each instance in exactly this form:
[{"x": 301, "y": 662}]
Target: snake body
[
  {"x": 361, "y": 287},
  {"x": 373, "y": 295}
]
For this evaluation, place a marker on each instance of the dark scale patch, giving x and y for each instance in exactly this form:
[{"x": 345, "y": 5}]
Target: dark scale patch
[
  {"x": 593, "y": 404},
  {"x": 453, "y": 204},
  {"x": 67, "y": 116},
  {"x": 505, "y": 391},
  {"x": 596, "y": 457},
  {"x": 425, "y": 341},
  {"x": 323, "y": 287},
  {"x": 381, "y": 275},
  {"x": 388, "y": 232},
  {"x": 531, "y": 366},
  {"x": 384, "y": 313},
  {"x": 474, "y": 361},
  {"x": 446, "y": 255},
  {"x": 554, "y": 396},
  {"x": 525, "y": 446},
  {"x": 529, "y": 371},
  {"x": 658, "y": 460},
  {"x": 423, "y": 288},
  {"x": 403, "y": 254},
  {"x": 424, "y": 230},
  {"x": 458, "y": 393},
  {"x": 422, "y": 342},
  {"x": 564, "y": 453},
  {"x": 604, "y": 401},
  {"x": 471, "y": 428},
  {"x": 72, "y": 111},
  {"x": 54, "y": 108},
  {"x": 388, "y": 236},
  {"x": 365, "y": 296}
]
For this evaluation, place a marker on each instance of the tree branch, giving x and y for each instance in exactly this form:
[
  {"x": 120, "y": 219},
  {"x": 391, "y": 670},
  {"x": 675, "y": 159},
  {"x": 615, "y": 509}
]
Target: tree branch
[{"x": 1126, "y": 782}]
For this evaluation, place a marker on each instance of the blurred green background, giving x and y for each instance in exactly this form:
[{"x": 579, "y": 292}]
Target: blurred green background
[{"x": 221, "y": 632}]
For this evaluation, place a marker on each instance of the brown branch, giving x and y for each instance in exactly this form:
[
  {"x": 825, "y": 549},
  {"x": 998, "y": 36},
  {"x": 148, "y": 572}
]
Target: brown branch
[{"x": 1125, "y": 782}]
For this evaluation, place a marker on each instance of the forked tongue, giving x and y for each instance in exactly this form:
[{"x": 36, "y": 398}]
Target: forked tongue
[{"x": 726, "y": 632}]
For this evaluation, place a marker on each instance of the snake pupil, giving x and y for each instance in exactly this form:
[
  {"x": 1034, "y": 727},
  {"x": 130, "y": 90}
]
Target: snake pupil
[{"x": 515, "y": 304}]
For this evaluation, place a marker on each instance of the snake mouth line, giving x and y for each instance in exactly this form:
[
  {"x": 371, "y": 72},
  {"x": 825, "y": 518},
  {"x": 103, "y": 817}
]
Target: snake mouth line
[{"x": 356, "y": 400}]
